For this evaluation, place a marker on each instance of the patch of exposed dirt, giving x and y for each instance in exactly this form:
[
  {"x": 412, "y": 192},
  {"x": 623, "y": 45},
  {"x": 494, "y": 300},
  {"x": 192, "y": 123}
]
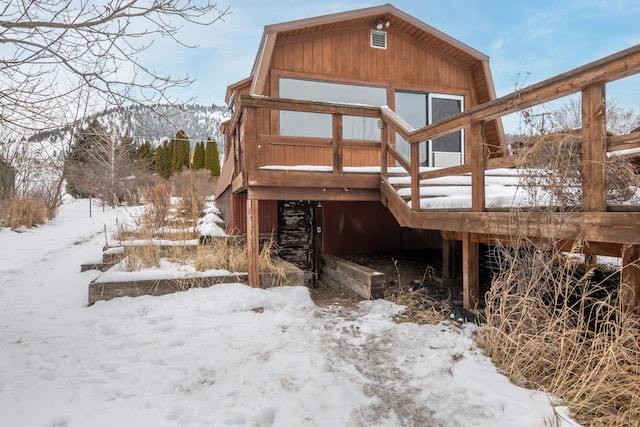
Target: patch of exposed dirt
[{"x": 413, "y": 280}]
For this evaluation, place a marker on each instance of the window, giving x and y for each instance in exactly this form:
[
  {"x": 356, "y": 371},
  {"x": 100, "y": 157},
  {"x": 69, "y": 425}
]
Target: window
[
  {"x": 420, "y": 109},
  {"x": 447, "y": 150},
  {"x": 319, "y": 125}
]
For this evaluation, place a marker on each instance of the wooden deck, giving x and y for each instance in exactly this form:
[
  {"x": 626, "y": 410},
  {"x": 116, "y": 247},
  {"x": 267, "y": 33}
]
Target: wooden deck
[{"x": 610, "y": 230}]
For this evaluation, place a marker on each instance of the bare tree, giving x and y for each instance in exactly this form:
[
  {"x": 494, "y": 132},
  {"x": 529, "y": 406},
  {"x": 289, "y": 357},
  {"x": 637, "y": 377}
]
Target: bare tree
[
  {"x": 53, "y": 53},
  {"x": 104, "y": 164},
  {"x": 569, "y": 116}
]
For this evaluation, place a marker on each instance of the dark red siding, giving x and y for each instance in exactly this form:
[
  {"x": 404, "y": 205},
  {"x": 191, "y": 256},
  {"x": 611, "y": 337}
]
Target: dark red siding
[
  {"x": 362, "y": 227},
  {"x": 233, "y": 208}
]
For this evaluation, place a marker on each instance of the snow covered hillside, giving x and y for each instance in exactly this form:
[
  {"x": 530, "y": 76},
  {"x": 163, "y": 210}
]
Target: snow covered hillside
[
  {"x": 142, "y": 123},
  {"x": 228, "y": 355}
]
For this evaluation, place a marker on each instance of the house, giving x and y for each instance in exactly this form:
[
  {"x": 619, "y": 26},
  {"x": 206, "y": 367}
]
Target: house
[
  {"x": 339, "y": 109},
  {"x": 375, "y": 56}
]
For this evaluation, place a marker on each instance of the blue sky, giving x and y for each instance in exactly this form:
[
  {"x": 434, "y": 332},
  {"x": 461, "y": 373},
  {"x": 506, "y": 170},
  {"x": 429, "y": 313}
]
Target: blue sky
[{"x": 527, "y": 41}]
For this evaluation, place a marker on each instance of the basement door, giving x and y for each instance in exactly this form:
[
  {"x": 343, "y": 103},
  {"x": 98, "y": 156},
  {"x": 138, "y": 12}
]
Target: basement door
[{"x": 296, "y": 242}]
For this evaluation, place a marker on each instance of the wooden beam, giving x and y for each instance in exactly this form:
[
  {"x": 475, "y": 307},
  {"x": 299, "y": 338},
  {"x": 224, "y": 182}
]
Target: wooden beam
[
  {"x": 320, "y": 180},
  {"x": 308, "y": 106},
  {"x": 588, "y": 248},
  {"x": 253, "y": 243},
  {"x": 594, "y": 148},
  {"x": 397, "y": 123},
  {"x": 612, "y": 227},
  {"x": 495, "y": 163},
  {"x": 470, "y": 273},
  {"x": 314, "y": 193},
  {"x": 630, "y": 279},
  {"x": 395, "y": 204},
  {"x": 623, "y": 142}
]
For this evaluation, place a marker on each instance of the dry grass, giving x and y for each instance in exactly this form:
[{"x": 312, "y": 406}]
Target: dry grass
[
  {"x": 552, "y": 322},
  {"x": 159, "y": 199},
  {"x": 227, "y": 253},
  {"x": 230, "y": 253},
  {"x": 23, "y": 211},
  {"x": 555, "y": 326},
  {"x": 554, "y": 162},
  {"x": 192, "y": 187},
  {"x": 420, "y": 308}
]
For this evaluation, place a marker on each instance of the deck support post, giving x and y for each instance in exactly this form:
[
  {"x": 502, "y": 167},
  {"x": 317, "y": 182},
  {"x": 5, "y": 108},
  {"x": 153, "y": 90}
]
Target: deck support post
[
  {"x": 253, "y": 243},
  {"x": 470, "y": 272},
  {"x": 630, "y": 279},
  {"x": 448, "y": 260}
]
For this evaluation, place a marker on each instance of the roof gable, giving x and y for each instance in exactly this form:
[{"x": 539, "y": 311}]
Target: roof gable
[{"x": 397, "y": 19}]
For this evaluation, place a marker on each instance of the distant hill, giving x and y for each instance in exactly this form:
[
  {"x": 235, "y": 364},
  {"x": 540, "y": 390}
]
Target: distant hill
[{"x": 143, "y": 123}]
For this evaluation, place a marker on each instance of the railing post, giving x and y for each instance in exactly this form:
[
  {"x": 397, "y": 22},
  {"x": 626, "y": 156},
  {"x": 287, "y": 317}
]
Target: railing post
[
  {"x": 415, "y": 180},
  {"x": 594, "y": 148},
  {"x": 630, "y": 279},
  {"x": 478, "y": 165},
  {"x": 336, "y": 124},
  {"x": 251, "y": 139},
  {"x": 384, "y": 141}
]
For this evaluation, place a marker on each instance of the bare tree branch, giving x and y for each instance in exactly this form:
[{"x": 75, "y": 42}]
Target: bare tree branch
[{"x": 52, "y": 52}]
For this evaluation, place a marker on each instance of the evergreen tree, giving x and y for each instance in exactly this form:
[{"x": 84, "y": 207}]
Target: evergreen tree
[
  {"x": 198, "y": 156},
  {"x": 163, "y": 160},
  {"x": 79, "y": 154},
  {"x": 145, "y": 154},
  {"x": 180, "y": 152},
  {"x": 212, "y": 157},
  {"x": 215, "y": 169}
]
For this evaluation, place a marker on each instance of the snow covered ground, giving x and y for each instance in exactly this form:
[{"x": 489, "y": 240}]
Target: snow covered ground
[{"x": 228, "y": 355}]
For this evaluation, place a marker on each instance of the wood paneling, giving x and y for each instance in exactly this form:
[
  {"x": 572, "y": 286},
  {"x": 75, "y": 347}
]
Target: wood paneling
[{"x": 347, "y": 56}]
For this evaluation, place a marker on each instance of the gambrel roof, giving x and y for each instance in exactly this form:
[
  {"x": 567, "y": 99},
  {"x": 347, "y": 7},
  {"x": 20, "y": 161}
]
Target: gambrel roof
[{"x": 429, "y": 37}]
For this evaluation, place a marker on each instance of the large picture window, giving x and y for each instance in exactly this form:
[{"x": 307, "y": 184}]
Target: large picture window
[{"x": 319, "y": 125}]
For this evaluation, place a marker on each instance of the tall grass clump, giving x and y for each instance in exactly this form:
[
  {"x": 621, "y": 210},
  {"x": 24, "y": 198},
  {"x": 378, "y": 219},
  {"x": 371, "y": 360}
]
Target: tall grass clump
[
  {"x": 555, "y": 325},
  {"x": 554, "y": 318},
  {"x": 225, "y": 253},
  {"x": 230, "y": 253},
  {"x": 23, "y": 211}
]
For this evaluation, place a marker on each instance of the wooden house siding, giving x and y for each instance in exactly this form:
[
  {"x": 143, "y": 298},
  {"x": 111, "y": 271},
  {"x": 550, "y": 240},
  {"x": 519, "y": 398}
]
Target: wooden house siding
[
  {"x": 348, "y": 57},
  {"x": 233, "y": 208}
]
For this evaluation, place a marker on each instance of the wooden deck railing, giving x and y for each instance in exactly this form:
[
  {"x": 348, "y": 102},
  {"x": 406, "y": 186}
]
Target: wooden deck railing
[{"x": 590, "y": 80}]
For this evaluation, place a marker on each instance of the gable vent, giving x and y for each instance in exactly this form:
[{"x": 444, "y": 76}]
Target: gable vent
[{"x": 379, "y": 39}]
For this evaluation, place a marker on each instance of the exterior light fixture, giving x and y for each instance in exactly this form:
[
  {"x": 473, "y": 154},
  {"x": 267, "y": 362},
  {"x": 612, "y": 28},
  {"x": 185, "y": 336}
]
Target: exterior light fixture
[{"x": 380, "y": 24}]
